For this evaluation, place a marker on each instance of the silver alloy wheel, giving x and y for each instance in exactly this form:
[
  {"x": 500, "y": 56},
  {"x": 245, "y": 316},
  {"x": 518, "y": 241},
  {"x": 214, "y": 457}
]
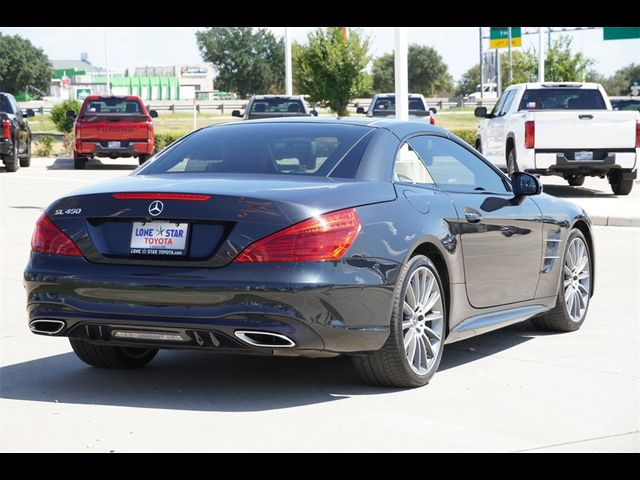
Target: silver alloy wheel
[
  {"x": 577, "y": 279},
  {"x": 422, "y": 321}
]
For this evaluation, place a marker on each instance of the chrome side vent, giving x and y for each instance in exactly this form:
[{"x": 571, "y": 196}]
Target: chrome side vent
[{"x": 550, "y": 255}]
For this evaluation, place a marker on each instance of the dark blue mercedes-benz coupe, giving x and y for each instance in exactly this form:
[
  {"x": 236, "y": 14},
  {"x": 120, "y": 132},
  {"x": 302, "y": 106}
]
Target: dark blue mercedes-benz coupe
[{"x": 379, "y": 239}]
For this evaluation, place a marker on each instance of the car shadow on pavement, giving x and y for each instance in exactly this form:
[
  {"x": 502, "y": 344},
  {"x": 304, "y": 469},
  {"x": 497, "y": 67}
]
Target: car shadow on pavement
[
  {"x": 200, "y": 381},
  {"x": 66, "y": 163},
  {"x": 566, "y": 191}
]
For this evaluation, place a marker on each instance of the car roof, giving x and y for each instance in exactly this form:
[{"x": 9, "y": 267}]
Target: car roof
[
  {"x": 267, "y": 97},
  {"x": 400, "y": 128},
  {"x": 393, "y": 95}
]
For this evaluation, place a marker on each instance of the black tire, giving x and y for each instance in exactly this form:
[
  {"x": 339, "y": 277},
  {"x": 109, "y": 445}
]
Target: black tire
[
  {"x": 479, "y": 145},
  {"x": 618, "y": 185},
  {"x": 512, "y": 162},
  {"x": 105, "y": 356},
  {"x": 79, "y": 162},
  {"x": 12, "y": 163},
  {"x": 389, "y": 366},
  {"x": 576, "y": 180},
  {"x": 558, "y": 319},
  {"x": 25, "y": 160},
  {"x": 143, "y": 158}
]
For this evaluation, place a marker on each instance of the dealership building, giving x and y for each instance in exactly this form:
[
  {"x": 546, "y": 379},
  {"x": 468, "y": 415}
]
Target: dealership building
[{"x": 75, "y": 79}]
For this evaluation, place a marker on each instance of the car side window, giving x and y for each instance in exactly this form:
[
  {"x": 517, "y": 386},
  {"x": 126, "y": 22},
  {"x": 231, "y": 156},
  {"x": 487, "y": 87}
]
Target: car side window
[
  {"x": 409, "y": 169},
  {"x": 455, "y": 168},
  {"x": 498, "y": 106},
  {"x": 508, "y": 102}
]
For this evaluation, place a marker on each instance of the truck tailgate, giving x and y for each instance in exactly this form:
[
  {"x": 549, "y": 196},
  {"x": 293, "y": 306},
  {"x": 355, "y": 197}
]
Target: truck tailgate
[
  {"x": 114, "y": 127},
  {"x": 588, "y": 129}
]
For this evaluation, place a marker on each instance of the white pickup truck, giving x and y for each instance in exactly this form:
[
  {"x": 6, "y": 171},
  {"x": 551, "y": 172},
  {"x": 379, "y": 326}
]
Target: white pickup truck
[{"x": 565, "y": 129}]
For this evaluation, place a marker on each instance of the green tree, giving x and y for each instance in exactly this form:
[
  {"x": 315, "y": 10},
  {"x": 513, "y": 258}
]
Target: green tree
[
  {"x": 469, "y": 81},
  {"x": 329, "y": 67},
  {"x": 563, "y": 65},
  {"x": 620, "y": 82},
  {"x": 248, "y": 61},
  {"x": 22, "y": 64},
  {"x": 59, "y": 115},
  {"x": 428, "y": 74}
]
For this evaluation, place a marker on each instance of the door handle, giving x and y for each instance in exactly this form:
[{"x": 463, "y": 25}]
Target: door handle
[
  {"x": 473, "y": 217},
  {"x": 585, "y": 117}
]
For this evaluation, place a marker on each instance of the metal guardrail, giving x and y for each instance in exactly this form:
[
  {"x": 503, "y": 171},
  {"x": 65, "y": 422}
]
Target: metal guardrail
[{"x": 224, "y": 107}]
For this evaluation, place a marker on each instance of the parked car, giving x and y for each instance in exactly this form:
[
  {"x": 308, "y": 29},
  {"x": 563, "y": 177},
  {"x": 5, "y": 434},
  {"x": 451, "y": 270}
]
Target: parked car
[
  {"x": 113, "y": 127},
  {"x": 565, "y": 129},
  {"x": 375, "y": 238},
  {"x": 384, "y": 105},
  {"x": 625, "y": 103},
  {"x": 272, "y": 106},
  {"x": 15, "y": 135},
  {"x": 489, "y": 92}
]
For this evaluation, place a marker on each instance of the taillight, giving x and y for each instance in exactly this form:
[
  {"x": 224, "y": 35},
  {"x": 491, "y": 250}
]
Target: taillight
[
  {"x": 529, "y": 134},
  {"x": 326, "y": 237},
  {"x": 47, "y": 238},
  {"x": 6, "y": 128},
  {"x": 432, "y": 120},
  {"x": 638, "y": 135}
]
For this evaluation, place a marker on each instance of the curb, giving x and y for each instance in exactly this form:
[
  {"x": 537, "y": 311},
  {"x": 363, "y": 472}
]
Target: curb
[{"x": 615, "y": 221}]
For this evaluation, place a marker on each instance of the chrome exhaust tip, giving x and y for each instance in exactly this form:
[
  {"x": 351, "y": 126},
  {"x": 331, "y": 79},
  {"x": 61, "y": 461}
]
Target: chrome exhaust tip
[
  {"x": 264, "y": 339},
  {"x": 46, "y": 326}
]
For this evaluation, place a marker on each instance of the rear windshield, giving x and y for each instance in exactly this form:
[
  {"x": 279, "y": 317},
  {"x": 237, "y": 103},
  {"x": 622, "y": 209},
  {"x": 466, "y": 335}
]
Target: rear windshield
[
  {"x": 113, "y": 105},
  {"x": 389, "y": 104},
  {"x": 562, "y": 99},
  {"x": 626, "y": 104},
  {"x": 273, "y": 148},
  {"x": 277, "y": 105}
]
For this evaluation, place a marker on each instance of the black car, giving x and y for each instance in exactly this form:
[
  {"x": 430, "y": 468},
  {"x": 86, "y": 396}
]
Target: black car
[
  {"x": 15, "y": 134},
  {"x": 274, "y": 106},
  {"x": 380, "y": 239}
]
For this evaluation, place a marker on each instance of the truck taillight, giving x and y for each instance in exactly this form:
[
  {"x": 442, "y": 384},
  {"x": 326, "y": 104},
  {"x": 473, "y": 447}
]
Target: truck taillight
[
  {"x": 638, "y": 135},
  {"x": 6, "y": 128},
  {"x": 529, "y": 134}
]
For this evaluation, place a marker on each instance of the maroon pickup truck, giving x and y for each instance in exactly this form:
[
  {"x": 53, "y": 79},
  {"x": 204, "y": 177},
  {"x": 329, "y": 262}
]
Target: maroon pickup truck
[{"x": 112, "y": 126}]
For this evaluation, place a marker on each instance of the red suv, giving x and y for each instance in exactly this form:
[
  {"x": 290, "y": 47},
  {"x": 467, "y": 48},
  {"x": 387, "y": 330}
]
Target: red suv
[{"x": 112, "y": 126}]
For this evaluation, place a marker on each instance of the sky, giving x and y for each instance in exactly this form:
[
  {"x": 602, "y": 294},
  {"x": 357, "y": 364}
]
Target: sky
[{"x": 163, "y": 46}]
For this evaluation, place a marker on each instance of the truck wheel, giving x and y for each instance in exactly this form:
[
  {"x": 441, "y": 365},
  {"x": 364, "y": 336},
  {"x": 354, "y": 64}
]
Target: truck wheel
[
  {"x": 479, "y": 145},
  {"x": 512, "y": 164},
  {"x": 618, "y": 185},
  {"x": 79, "y": 162},
  {"x": 576, "y": 180},
  {"x": 12, "y": 163},
  {"x": 25, "y": 161},
  {"x": 143, "y": 158}
]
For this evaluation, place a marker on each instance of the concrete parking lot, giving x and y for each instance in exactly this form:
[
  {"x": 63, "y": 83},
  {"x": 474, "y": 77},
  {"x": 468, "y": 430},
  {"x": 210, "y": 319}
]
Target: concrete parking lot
[{"x": 511, "y": 390}]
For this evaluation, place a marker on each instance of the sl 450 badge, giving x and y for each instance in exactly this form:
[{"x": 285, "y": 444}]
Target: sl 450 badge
[{"x": 68, "y": 211}]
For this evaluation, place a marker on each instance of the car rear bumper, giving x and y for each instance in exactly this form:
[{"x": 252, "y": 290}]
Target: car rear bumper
[
  {"x": 102, "y": 148},
  {"x": 328, "y": 307},
  {"x": 6, "y": 147},
  {"x": 560, "y": 162}
]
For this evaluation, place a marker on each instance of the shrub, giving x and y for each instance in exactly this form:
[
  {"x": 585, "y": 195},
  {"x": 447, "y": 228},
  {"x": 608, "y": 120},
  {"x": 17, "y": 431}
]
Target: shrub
[
  {"x": 44, "y": 146},
  {"x": 164, "y": 139},
  {"x": 68, "y": 143},
  {"x": 59, "y": 115},
  {"x": 466, "y": 134}
]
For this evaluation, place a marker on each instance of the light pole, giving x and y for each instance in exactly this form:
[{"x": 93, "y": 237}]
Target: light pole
[
  {"x": 287, "y": 62},
  {"x": 106, "y": 60},
  {"x": 401, "y": 74}
]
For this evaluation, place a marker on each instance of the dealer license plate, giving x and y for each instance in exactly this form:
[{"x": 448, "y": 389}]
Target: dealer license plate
[
  {"x": 582, "y": 156},
  {"x": 159, "y": 238},
  {"x": 114, "y": 144}
]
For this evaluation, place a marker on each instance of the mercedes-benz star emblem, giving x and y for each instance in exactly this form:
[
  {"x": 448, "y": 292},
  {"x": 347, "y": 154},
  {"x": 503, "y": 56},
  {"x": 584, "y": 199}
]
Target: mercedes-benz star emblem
[{"x": 155, "y": 208}]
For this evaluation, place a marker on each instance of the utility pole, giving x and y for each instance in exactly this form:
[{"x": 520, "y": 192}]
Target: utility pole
[
  {"x": 510, "y": 60},
  {"x": 106, "y": 61},
  {"x": 498, "y": 72},
  {"x": 401, "y": 74},
  {"x": 540, "y": 55},
  {"x": 287, "y": 62},
  {"x": 481, "y": 68}
]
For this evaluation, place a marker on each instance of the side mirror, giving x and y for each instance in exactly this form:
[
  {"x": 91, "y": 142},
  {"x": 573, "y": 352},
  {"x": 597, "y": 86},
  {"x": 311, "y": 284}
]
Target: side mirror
[
  {"x": 314, "y": 113},
  {"x": 70, "y": 114},
  {"x": 480, "y": 112},
  {"x": 525, "y": 184},
  {"x": 235, "y": 113},
  {"x": 153, "y": 113},
  {"x": 360, "y": 110},
  {"x": 433, "y": 110}
]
